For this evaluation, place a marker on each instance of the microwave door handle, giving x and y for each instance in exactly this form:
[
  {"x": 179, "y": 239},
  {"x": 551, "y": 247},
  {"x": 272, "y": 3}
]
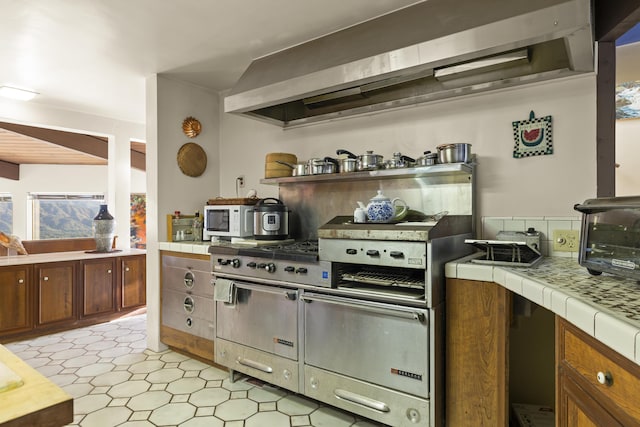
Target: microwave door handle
[
  {"x": 396, "y": 312},
  {"x": 601, "y": 208}
]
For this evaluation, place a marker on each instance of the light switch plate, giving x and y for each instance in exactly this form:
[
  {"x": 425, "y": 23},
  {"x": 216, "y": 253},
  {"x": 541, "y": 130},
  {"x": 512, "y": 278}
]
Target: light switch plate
[{"x": 566, "y": 240}]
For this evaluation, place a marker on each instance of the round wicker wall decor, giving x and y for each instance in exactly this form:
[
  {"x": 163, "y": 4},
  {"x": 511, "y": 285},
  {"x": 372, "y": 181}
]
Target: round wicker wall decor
[{"x": 192, "y": 160}]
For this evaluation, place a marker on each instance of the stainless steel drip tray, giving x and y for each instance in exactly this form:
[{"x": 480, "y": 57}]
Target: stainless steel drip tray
[
  {"x": 507, "y": 253},
  {"x": 385, "y": 292}
]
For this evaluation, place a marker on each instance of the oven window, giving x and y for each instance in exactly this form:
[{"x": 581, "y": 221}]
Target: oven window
[
  {"x": 614, "y": 235},
  {"x": 218, "y": 220}
]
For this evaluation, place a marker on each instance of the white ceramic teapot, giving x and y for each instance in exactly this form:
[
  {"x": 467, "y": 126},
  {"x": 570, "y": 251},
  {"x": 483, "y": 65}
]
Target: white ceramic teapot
[{"x": 383, "y": 209}]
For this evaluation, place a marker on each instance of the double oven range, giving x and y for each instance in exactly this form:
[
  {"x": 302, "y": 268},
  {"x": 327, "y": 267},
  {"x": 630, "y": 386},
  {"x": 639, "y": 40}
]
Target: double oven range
[{"x": 354, "y": 319}]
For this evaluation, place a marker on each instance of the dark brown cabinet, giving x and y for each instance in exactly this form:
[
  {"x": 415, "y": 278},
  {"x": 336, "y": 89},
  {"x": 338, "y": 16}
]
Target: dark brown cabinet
[
  {"x": 41, "y": 298},
  {"x": 15, "y": 299},
  {"x": 55, "y": 292},
  {"x": 133, "y": 283},
  {"x": 98, "y": 286},
  {"x": 596, "y": 385}
]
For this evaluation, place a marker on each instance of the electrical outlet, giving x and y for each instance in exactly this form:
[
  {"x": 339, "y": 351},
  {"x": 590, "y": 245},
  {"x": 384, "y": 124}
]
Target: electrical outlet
[
  {"x": 240, "y": 181},
  {"x": 566, "y": 240}
]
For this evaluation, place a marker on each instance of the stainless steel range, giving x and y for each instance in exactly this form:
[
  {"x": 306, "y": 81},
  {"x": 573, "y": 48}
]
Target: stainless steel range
[{"x": 354, "y": 320}]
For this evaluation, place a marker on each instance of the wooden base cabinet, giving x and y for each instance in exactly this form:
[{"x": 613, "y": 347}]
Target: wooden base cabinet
[
  {"x": 15, "y": 299},
  {"x": 98, "y": 286},
  {"x": 133, "y": 281},
  {"x": 477, "y": 353},
  {"x": 595, "y": 385},
  {"x": 55, "y": 292}
]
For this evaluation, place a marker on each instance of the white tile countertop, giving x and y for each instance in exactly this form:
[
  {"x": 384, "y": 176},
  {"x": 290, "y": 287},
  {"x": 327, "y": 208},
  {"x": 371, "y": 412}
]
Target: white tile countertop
[
  {"x": 186, "y": 247},
  {"x": 606, "y": 307},
  {"x": 64, "y": 256}
]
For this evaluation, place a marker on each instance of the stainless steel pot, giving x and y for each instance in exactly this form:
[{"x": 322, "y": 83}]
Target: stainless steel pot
[
  {"x": 317, "y": 166},
  {"x": 454, "y": 153},
  {"x": 348, "y": 163},
  {"x": 370, "y": 161},
  {"x": 429, "y": 159},
  {"x": 299, "y": 169},
  {"x": 399, "y": 161},
  {"x": 270, "y": 220}
]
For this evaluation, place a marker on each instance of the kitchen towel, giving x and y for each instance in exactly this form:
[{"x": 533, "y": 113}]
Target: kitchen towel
[{"x": 224, "y": 291}]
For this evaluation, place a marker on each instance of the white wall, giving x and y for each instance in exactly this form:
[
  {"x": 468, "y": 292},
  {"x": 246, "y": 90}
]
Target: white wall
[
  {"x": 114, "y": 179},
  {"x": 628, "y": 157},
  {"x": 169, "y": 102},
  {"x": 542, "y": 185}
]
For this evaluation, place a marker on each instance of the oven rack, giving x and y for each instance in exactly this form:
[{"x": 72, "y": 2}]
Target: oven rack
[{"x": 379, "y": 278}]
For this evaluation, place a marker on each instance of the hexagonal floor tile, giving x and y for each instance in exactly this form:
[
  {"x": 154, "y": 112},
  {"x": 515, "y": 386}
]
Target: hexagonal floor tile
[
  {"x": 204, "y": 422},
  {"x": 329, "y": 417},
  {"x": 236, "y": 409},
  {"x": 266, "y": 393},
  {"x": 149, "y": 400},
  {"x": 165, "y": 375},
  {"x": 95, "y": 369},
  {"x": 129, "y": 389},
  {"x": 90, "y": 403},
  {"x": 80, "y": 361},
  {"x": 146, "y": 366},
  {"x": 209, "y": 397},
  {"x": 296, "y": 405},
  {"x": 271, "y": 419},
  {"x": 172, "y": 414},
  {"x": 186, "y": 385},
  {"x": 111, "y": 378}
]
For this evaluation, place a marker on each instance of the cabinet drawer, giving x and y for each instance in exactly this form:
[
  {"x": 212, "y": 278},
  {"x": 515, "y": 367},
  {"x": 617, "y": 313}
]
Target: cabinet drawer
[
  {"x": 188, "y": 279},
  {"x": 595, "y": 362}
]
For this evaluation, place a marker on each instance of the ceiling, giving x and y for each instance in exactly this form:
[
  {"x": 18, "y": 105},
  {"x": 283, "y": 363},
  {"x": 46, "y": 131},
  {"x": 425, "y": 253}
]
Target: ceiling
[{"x": 93, "y": 56}]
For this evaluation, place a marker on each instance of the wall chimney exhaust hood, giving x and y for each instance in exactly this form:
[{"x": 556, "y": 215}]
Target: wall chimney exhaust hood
[{"x": 431, "y": 50}]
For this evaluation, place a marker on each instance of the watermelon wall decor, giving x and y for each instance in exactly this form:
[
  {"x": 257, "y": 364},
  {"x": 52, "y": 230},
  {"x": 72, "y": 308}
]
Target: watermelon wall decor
[{"x": 532, "y": 137}]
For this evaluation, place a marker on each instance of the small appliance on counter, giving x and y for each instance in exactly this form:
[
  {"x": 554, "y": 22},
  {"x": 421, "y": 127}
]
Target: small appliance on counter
[
  {"x": 610, "y": 236},
  {"x": 270, "y": 220},
  {"x": 180, "y": 227},
  {"x": 510, "y": 248},
  {"x": 228, "y": 218}
]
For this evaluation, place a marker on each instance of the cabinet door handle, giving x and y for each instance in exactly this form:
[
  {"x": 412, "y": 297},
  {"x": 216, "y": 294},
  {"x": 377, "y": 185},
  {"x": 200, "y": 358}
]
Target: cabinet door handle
[
  {"x": 20, "y": 281},
  {"x": 605, "y": 378},
  {"x": 45, "y": 278},
  {"x": 109, "y": 271},
  {"x": 126, "y": 269}
]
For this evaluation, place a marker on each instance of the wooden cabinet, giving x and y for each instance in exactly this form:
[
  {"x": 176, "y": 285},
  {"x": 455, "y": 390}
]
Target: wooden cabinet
[
  {"x": 55, "y": 292},
  {"x": 133, "y": 283},
  {"x": 595, "y": 385},
  {"x": 47, "y": 297},
  {"x": 15, "y": 299},
  {"x": 476, "y": 355},
  {"x": 98, "y": 286}
]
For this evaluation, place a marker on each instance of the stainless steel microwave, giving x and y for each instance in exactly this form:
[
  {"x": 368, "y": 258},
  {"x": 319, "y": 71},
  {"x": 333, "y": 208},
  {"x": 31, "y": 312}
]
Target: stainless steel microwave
[
  {"x": 610, "y": 236},
  {"x": 227, "y": 221}
]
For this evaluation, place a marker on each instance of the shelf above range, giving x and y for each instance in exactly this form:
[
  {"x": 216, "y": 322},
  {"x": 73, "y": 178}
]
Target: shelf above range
[{"x": 445, "y": 169}]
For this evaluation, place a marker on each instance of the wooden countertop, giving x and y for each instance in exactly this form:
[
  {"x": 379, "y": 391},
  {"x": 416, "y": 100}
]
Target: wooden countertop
[{"x": 38, "y": 402}]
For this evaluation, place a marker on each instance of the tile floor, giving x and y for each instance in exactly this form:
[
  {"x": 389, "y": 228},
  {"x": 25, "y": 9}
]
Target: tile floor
[{"x": 116, "y": 381}]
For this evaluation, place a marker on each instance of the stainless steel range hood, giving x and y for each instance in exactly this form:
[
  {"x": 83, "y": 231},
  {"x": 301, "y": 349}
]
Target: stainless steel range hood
[{"x": 432, "y": 50}]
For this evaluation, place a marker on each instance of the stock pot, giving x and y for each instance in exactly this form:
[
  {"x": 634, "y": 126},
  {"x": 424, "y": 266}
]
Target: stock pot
[
  {"x": 454, "y": 153},
  {"x": 347, "y": 162},
  {"x": 319, "y": 166}
]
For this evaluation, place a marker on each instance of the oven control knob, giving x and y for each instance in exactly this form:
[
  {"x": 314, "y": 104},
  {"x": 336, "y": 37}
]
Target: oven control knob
[
  {"x": 302, "y": 270},
  {"x": 271, "y": 267},
  {"x": 223, "y": 261},
  {"x": 352, "y": 251},
  {"x": 289, "y": 269},
  {"x": 252, "y": 264},
  {"x": 235, "y": 263},
  {"x": 396, "y": 254},
  {"x": 373, "y": 252}
]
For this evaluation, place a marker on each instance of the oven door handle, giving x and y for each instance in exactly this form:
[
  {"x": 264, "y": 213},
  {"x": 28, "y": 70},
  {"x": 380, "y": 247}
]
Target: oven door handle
[
  {"x": 361, "y": 400},
  {"x": 403, "y": 313},
  {"x": 289, "y": 294}
]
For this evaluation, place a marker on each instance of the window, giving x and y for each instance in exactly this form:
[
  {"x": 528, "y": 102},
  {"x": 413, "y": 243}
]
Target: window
[
  {"x": 63, "y": 216},
  {"x": 6, "y": 213}
]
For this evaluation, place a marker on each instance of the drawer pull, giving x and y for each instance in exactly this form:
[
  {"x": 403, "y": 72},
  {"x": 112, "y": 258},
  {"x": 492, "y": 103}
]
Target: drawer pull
[
  {"x": 361, "y": 400},
  {"x": 255, "y": 365},
  {"x": 605, "y": 378}
]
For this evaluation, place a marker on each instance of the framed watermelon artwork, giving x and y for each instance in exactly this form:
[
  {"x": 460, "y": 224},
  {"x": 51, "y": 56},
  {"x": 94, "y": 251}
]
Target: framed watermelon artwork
[{"x": 532, "y": 137}]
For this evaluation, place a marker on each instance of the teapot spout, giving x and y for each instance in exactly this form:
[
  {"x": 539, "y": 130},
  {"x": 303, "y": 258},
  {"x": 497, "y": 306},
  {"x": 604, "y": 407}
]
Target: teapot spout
[{"x": 361, "y": 205}]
